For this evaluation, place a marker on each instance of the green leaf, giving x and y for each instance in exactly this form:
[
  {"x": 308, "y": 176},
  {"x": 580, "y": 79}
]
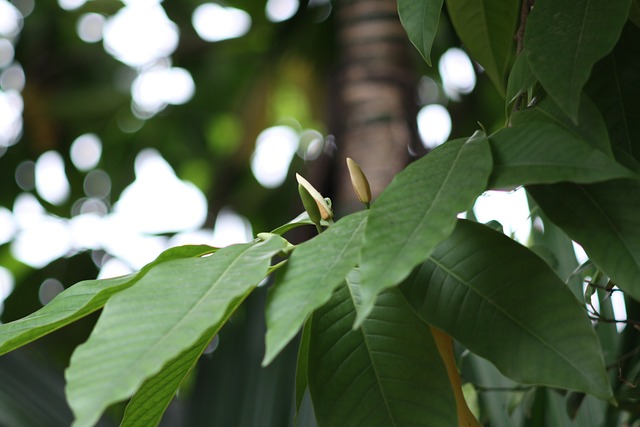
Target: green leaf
[
  {"x": 614, "y": 88},
  {"x": 148, "y": 325},
  {"x": 505, "y": 304},
  {"x": 147, "y": 406},
  {"x": 521, "y": 78},
  {"x": 315, "y": 268},
  {"x": 605, "y": 219},
  {"x": 537, "y": 149},
  {"x": 634, "y": 12},
  {"x": 388, "y": 372},
  {"x": 299, "y": 221},
  {"x": 420, "y": 20},
  {"x": 486, "y": 28},
  {"x": 80, "y": 300},
  {"x": 564, "y": 39},
  {"x": 418, "y": 210},
  {"x": 302, "y": 365},
  {"x": 590, "y": 126}
]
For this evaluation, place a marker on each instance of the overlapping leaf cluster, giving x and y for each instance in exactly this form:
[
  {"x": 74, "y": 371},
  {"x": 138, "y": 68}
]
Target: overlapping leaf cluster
[{"x": 376, "y": 290}]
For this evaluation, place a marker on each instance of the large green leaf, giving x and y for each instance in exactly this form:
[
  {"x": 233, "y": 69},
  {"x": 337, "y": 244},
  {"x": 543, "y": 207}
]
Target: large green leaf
[
  {"x": 590, "y": 126},
  {"x": 388, "y": 372},
  {"x": 148, "y": 325},
  {"x": 564, "y": 39},
  {"x": 80, "y": 300},
  {"x": 605, "y": 219},
  {"x": 537, "y": 149},
  {"x": 486, "y": 27},
  {"x": 615, "y": 90},
  {"x": 418, "y": 210},
  {"x": 505, "y": 304},
  {"x": 313, "y": 271},
  {"x": 420, "y": 20},
  {"x": 147, "y": 406}
]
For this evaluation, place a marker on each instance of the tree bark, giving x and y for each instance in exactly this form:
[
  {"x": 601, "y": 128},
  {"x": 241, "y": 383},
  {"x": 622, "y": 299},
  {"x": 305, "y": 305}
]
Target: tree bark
[{"x": 374, "y": 110}]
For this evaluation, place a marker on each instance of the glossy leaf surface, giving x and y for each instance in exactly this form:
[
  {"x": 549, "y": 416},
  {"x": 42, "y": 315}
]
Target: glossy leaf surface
[
  {"x": 581, "y": 32},
  {"x": 146, "y": 326},
  {"x": 420, "y": 21},
  {"x": 418, "y": 210},
  {"x": 486, "y": 28},
  {"x": 538, "y": 149},
  {"x": 605, "y": 219},
  {"x": 388, "y": 372},
  {"x": 505, "y": 304},
  {"x": 80, "y": 300},
  {"x": 313, "y": 271}
]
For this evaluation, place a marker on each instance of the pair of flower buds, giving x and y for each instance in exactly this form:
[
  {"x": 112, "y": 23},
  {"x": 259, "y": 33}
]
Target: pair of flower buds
[{"x": 319, "y": 208}]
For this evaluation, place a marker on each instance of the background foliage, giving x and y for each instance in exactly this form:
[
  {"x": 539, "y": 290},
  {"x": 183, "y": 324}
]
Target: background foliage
[{"x": 380, "y": 293}]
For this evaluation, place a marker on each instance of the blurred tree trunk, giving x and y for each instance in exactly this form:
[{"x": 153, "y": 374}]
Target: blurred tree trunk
[{"x": 374, "y": 107}]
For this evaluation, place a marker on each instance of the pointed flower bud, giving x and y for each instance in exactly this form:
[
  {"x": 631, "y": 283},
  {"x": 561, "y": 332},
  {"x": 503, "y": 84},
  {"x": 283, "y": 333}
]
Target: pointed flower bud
[
  {"x": 323, "y": 207},
  {"x": 359, "y": 182},
  {"x": 309, "y": 204}
]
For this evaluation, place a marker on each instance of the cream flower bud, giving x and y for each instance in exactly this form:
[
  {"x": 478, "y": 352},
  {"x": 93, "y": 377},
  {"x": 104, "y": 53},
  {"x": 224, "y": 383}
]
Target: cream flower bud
[{"x": 359, "y": 182}]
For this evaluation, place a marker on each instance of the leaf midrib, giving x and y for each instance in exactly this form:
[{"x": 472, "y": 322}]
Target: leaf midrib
[{"x": 508, "y": 315}]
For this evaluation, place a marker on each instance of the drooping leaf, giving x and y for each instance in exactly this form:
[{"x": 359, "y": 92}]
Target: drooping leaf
[
  {"x": 590, "y": 126},
  {"x": 386, "y": 373},
  {"x": 148, "y": 325},
  {"x": 614, "y": 88},
  {"x": 505, "y": 304},
  {"x": 605, "y": 219},
  {"x": 313, "y": 271},
  {"x": 521, "y": 78},
  {"x": 564, "y": 39},
  {"x": 418, "y": 210},
  {"x": 80, "y": 300},
  {"x": 486, "y": 28},
  {"x": 546, "y": 234},
  {"x": 539, "y": 150},
  {"x": 147, "y": 406},
  {"x": 420, "y": 21}
]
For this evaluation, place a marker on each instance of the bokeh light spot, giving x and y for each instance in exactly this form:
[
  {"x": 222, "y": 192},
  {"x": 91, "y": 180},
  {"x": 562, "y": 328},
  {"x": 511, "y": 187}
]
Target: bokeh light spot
[
  {"x": 71, "y": 4},
  {"x": 157, "y": 201},
  {"x": 140, "y": 33},
  {"x": 214, "y": 23},
  {"x": 90, "y": 27},
  {"x": 10, "y": 118},
  {"x": 12, "y": 79},
  {"x": 6, "y": 53},
  {"x": 26, "y": 175},
  {"x": 7, "y": 226},
  {"x": 10, "y": 19},
  {"x": 51, "y": 181},
  {"x": 434, "y": 125},
  {"x": 152, "y": 90},
  {"x": 49, "y": 289},
  {"x": 97, "y": 183},
  {"x": 272, "y": 157},
  {"x": 281, "y": 10},
  {"x": 230, "y": 228},
  {"x": 456, "y": 70},
  {"x": 85, "y": 151},
  {"x": 44, "y": 241}
]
